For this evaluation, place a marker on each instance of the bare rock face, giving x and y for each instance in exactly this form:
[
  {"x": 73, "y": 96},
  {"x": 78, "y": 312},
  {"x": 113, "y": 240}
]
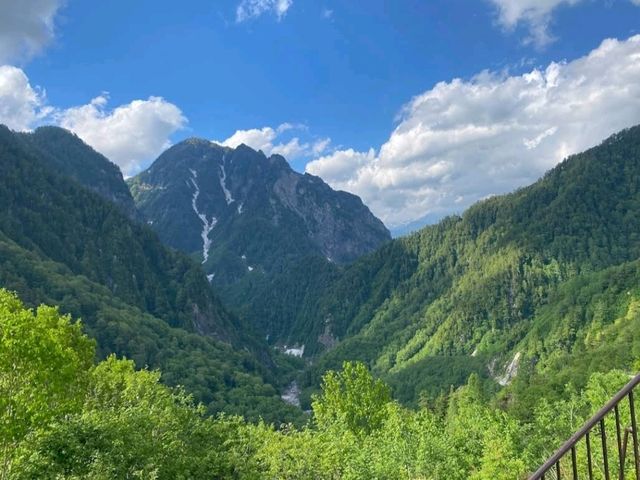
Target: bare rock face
[
  {"x": 337, "y": 223},
  {"x": 242, "y": 213}
]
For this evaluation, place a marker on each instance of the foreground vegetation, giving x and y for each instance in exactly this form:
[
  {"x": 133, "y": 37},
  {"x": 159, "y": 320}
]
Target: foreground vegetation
[{"x": 62, "y": 416}]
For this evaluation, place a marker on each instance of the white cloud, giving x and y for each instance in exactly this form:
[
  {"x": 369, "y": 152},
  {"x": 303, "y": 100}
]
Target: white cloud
[
  {"x": 248, "y": 9},
  {"x": 257, "y": 138},
  {"x": 292, "y": 149},
  {"x": 319, "y": 146},
  {"x": 21, "y": 105},
  {"x": 26, "y": 27},
  {"x": 265, "y": 139},
  {"x": 130, "y": 135},
  {"x": 339, "y": 166},
  {"x": 535, "y": 14},
  {"x": 464, "y": 140}
]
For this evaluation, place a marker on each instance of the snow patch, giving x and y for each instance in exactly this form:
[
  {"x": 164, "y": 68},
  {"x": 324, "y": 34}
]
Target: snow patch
[
  {"x": 210, "y": 277},
  {"x": 244, "y": 257},
  {"x": 223, "y": 179},
  {"x": 250, "y": 268},
  {"x": 240, "y": 208},
  {"x": 207, "y": 225},
  {"x": 294, "y": 351}
]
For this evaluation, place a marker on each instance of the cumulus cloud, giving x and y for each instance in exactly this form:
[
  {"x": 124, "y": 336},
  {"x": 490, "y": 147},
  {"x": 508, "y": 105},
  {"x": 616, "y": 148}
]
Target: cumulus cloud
[
  {"x": 21, "y": 105},
  {"x": 462, "y": 140},
  {"x": 257, "y": 138},
  {"x": 129, "y": 135},
  {"x": 339, "y": 166},
  {"x": 268, "y": 139},
  {"x": 26, "y": 27},
  {"x": 248, "y": 9}
]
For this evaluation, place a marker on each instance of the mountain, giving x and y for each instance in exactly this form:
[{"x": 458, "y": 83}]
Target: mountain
[
  {"x": 251, "y": 220},
  {"x": 543, "y": 281},
  {"x": 62, "y": 243},
  {"x": 65, "y": 153},
  {"x": 218, "y": 202}
]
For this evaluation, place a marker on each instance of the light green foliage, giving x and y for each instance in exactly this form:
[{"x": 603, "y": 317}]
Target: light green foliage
[
  {"x": 44, "y": 362},
  {"x": 131, "y": 426},
  {"x": 63, "y": 417},
  {"x": 82, "y": 421},
  {"x": 471, "y": 441},
  {"x": 352, "y": 398}
]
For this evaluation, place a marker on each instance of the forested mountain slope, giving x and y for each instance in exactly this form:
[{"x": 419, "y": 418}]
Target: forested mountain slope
[
  {"x": 514, "y": 283},
  {"x": 251, "y": 220},
  {"x": 62, "y": 243},
  {"x": 65, "y": 153}
]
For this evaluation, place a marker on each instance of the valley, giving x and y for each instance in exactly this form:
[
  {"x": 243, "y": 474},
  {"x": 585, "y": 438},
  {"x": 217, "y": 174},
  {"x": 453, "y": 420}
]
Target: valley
[
  {"x": 335, "y": 240},
  {"x": 254, "y": 308}
]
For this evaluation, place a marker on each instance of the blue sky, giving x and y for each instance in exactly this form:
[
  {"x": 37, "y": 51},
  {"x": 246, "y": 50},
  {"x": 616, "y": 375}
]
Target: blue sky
[{"x": 334, "y": 83}]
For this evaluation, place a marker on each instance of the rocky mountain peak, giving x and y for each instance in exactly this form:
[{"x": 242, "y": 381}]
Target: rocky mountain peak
[{"x": 221, "y": 204}]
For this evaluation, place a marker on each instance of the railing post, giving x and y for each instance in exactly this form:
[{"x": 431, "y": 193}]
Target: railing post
[
  {"x": 619, "y": 438},
  {"x": 589, "y": 460},
  {"x": 634, "y": 433},
  {"x": 605, "y": 456}
]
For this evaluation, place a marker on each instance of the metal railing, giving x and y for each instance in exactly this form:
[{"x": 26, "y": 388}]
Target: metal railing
[{"x": 598, "y": 456}]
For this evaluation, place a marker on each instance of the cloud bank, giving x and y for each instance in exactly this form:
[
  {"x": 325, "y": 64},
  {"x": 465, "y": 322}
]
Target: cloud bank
[{"x": 462, "y": 141}]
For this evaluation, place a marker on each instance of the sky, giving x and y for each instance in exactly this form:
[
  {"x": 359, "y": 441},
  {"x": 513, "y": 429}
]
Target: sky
[{"x": 419, "y": 107}]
